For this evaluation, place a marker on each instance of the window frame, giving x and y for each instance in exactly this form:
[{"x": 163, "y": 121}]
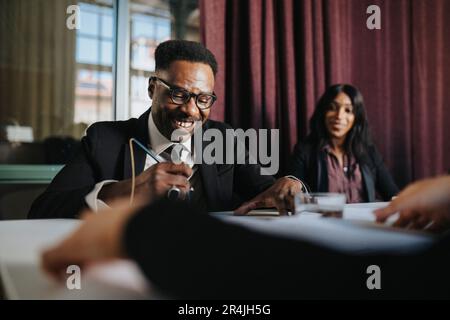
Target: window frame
[{"x": 121, "y": 71}]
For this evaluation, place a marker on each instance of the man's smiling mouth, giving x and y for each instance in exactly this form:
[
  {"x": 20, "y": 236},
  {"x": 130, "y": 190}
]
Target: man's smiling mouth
[{"x": 185, "y": 124}]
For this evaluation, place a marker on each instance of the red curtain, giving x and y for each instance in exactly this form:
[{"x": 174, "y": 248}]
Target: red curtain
[{"x": 276, "y": 57}]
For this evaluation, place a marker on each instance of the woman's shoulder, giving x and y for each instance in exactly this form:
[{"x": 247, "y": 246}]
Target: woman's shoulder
[
  {"x": 371, "y": 155},
  {"x": 372, "y": 150},
  {"x": 305, "y": 148}
]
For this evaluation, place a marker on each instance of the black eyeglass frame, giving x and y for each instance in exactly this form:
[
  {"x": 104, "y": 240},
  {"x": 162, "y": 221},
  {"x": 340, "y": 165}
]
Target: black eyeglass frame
[{"x": 189, "y": 95}]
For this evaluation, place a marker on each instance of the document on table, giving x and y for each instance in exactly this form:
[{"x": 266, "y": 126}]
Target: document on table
[{"x": 356, "y": 232}]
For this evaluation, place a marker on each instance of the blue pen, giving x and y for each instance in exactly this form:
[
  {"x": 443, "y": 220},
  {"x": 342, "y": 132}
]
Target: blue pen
[
  {"x": 160, "y": 159},
  {"x": 151, "y": 153}
]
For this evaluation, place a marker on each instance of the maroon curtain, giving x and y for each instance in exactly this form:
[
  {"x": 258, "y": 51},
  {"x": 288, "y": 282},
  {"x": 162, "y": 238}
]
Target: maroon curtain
[{"x": 276, "y": 57}]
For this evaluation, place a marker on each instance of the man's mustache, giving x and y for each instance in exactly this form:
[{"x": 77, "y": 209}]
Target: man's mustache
[{"x": 184, "y": 117}]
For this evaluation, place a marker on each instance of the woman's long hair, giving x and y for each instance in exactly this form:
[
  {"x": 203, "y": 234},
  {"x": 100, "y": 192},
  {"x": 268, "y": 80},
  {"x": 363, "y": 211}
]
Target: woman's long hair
[{"x": 358, "y": 138}]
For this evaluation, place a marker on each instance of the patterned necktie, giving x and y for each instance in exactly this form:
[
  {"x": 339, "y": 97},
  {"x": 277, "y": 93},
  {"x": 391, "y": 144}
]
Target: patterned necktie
[
  {"x": 175, "y": 153},
  {"x": 166, "y": 154}
]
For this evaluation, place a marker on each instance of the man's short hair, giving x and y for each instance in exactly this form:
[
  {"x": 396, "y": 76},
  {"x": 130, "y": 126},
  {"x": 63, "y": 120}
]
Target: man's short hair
[{"x": 174, "y": 50}]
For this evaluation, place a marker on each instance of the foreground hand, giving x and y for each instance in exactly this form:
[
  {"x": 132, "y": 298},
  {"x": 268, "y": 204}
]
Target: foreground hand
[
  {"x": 97, "y": 239},
  {"x": 280, "y": 195},
  {"x": 421, "y": 204},
  {"x": 151, "y": 184}
]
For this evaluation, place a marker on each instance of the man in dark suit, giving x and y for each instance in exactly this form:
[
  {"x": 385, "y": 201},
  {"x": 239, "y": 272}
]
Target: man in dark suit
[{"x": 182, "y": 93}]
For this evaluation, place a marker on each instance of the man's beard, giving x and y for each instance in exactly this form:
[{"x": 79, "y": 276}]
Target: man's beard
[{"x": 177, "y": 120}]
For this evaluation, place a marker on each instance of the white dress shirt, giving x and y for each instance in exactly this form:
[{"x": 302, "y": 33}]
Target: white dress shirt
[{"x": 158, "y": 143}]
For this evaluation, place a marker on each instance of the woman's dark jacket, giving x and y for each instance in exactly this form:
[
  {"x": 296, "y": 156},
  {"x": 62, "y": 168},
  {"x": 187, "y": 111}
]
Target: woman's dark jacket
[{"x": 308, "y": 163}]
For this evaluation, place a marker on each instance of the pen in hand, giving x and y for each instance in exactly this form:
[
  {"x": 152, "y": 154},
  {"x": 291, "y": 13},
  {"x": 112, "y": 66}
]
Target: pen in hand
[{"x": 173, "y": 192}]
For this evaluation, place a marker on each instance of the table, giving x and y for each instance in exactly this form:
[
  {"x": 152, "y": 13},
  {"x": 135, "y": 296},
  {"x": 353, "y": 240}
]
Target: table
[
  {"x": 356, "y": 232},
  {"x": 22, "y": 241},
  {"x": 21, "y": 244}
]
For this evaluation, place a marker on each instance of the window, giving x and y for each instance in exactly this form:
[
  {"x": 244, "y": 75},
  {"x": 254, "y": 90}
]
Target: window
[
  {"x": 153, "y": 22},
  {"x": 56, "y": 81},
  {"x": 94, "y": 61},
  {"x": 149, "y": 27}
]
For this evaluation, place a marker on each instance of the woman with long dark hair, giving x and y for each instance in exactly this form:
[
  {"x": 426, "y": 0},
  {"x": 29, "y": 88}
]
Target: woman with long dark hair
[{"x": 338, "y": 155}]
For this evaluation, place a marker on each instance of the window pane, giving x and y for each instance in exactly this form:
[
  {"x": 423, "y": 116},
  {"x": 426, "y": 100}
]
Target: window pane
[
  {"x": 89, "y": 19},
  {"x": 107, "y": 26},
  {"x": 106, "y": 53},
  {"x": 142, "y": 27},
  {"x": 140, "y": 100},
  {"x": 87, "y": 50},
  {"x": 142, "y": 57},
  {"x": 93, "y": 92},
  {"x": 162, "y": 30},
  {"x": 94, "y": 81}
]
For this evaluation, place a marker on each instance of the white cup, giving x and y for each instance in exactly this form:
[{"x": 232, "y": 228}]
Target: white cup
[{"x": 328, "y": 204}]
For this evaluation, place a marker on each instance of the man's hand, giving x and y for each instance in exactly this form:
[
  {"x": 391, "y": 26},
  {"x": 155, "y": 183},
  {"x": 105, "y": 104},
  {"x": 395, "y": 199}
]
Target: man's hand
[
  {"x": 151, "y": 184},
  {"x": 97, "y": 239},
  {"x": 280, "y": 195},
  {"x": 421, "y": 204}
]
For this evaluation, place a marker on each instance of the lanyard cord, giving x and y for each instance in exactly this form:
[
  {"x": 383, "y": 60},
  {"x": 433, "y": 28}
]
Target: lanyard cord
[{"x": 133, "y": 171}]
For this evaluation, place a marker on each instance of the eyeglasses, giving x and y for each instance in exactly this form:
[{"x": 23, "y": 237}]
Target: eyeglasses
[{"x": 181, "y": 96}]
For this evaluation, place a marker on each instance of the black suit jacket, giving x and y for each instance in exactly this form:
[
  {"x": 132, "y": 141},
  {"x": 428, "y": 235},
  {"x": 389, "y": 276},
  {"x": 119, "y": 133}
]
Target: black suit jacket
[
  {"x": 105, "y": 155},
  {"x": 309, "y": 165},
  {"x": 192, "y": 255}
]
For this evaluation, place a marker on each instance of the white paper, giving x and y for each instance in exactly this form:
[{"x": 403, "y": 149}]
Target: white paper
[{"x": 356, "y": 232}]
